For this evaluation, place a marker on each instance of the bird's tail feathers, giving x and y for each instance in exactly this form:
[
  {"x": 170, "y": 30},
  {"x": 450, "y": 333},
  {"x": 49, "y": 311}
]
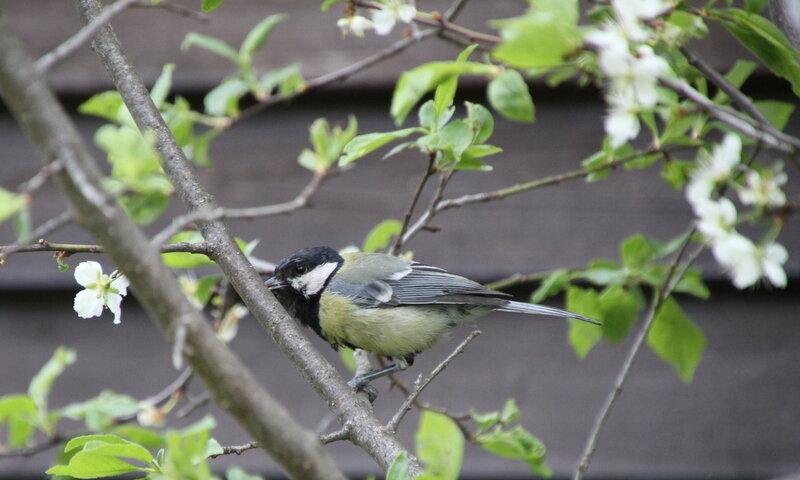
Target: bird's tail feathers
[{"x": 532, "y": 308}]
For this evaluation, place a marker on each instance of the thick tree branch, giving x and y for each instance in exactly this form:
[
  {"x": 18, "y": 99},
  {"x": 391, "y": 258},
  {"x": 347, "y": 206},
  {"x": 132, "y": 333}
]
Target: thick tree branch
[
  {"x": 367, "y": 432},
  {"x": 54, "y": 135}
]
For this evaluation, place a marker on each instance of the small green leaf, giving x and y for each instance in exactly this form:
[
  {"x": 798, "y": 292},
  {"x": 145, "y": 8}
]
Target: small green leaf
[
  {"x": 367, "y": 143},
  {"x": 603, "y": 272},
  {"x": 543, "y": 37},
  {"x": 162, "y": 86},
  {"x": 484, "y": 421},
  {"x": 327, "y": 4},
  {"x": 213, "y": 448},
  {"x": 22, "y": 225},
  {"x": 692, "y": 283},
  {"x": 379, "y": 237},
  {"x": 555, "y": 283},
  {"x": 39, "y": 388},
  {"x": 10, "y": 203},
  {"x": 481, "y": 120},
  {"x": 509, "y": 95},
  {"x": 413, "y": 84},
  {"x": 19, "y": 413},
  {"x": 619, "y": 307},
  {"x": 143, "y": 436},
  {"x": 224, "y": 99},
  {"x": 583, "y": 336},
  {"x": 398, "y": 470},
  {"x": 676, "y": 339},
  {"x": 510, "y": 412},
  {"x": 211, "y": 5},
  {"x": 89, "y": 465},
  {"x": 237, "y": 473},
  {"x": 518, "y": 444},
  {"x": 256, "y": 38},
  {"x": 100, "y": 412},
  {"x": 637, "y": 251},
  {"x": 211, "y": 44},
  {"x": 105, "y": 105},
  {"x": 777, "y": 112},
  {"x": 440, "y": 446},
  {"x": 97, "y": 456},
  {"x": 346, "y": 355},
  {"x": 446, "y": 91}
]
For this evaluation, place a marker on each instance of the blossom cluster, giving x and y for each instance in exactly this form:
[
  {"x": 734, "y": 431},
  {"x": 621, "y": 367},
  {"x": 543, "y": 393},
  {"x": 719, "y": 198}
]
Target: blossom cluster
[
  {"x": 745, "y": 261},
  {"x": 383, "y": 19},
  {"x": 632, "y": 67}
]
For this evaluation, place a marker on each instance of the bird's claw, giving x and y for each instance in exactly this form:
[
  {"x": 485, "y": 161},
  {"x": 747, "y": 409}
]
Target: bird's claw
[{"x": 359, "y": 385}]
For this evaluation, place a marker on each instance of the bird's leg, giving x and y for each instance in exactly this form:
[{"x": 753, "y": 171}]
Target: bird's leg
[{"x": 359, "y": 382}]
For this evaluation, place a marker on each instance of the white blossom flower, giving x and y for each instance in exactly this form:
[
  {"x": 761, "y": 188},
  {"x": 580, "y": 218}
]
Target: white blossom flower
[
  {"x": 698, "y": 193},
  {"x": 716, "y": 220},
  {"x": 613, "y": 49},
  {"x": 392, "y": 11},
  {"x": 747, "y": 262},
  {"x": 99, "y": 290},
  {"x": 355, "y": 25},
  {"x": 763, "y": 190},
  {"x": 645, "y": 71},
  {"x": 631, "y": 13},
  {"x": 622, "y": 122}
]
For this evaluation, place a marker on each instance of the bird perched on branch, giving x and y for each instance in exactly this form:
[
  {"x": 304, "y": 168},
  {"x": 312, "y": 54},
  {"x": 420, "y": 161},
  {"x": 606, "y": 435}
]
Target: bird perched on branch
[{"x": 383, "y": 304}]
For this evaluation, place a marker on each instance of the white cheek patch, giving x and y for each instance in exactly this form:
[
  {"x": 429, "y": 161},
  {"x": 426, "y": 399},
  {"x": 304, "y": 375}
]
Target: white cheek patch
[{"x": 312, "y": 282}]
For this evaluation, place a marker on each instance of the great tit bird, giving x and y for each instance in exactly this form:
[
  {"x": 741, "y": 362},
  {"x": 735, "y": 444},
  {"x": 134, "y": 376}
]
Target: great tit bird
[{"x": 383, "y": 304}]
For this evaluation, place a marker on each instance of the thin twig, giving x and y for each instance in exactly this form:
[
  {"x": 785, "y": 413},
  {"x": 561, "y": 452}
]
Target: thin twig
[
  {"x": 341, "y": 434},
  {"x": 193, "y": 403},
  {"x": 398, "y": 244},
  {"x": 420, "y": 386},
  {"x": 335, "y": 76},
  {"x": 674, "y": 275},
  {"x": 45, "y": 246},
  {"x": 765, "y": 133},
  {"x": 452, "y": 12},
  {"x": 50, "y": 59},
  {"x": 722, "y": 83},
  {"x": 36, "y": 181},
  {"x": 236, "y": 449},
  {"x": 174, "y": 8}
]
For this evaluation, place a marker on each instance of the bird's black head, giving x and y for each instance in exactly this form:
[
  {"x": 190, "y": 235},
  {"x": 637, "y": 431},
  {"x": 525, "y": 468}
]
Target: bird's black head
[{"x": 305, "y": 272}]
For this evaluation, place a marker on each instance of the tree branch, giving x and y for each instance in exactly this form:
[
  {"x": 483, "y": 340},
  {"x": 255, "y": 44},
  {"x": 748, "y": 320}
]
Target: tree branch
[
  {"x": 398, "y": 244},
  {"x": 304, "y": 459},
  {"x": 55, "y": 136}
]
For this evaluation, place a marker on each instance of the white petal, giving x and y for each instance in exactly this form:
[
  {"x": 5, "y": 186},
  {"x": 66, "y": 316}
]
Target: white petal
[
  {"x": 726, "y": 155},
  {"x": 406, "y": 13},
  {"x": 87, "y": 273},
  {"x": 359, "y": 24},
  {"x": 121, "y": 284},
  {"x": 775, "y": 252},
  {"x": 112, "y": 302},
  {"x": 384, "y": 21},
  {"x": 88, "y": 303},
  {"x": 698, "y": 193}
]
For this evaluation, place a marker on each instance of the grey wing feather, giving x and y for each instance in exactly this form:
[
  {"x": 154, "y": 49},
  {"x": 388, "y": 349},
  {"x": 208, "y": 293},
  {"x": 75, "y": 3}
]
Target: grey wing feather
[{"x": 425, "y": 284}]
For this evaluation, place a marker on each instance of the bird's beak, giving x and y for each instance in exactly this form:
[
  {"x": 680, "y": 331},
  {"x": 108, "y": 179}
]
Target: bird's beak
[{"x": 275, "y": 283}]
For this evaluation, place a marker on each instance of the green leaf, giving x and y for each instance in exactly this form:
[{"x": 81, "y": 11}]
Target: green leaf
[
  {"x": 764, "y": 40},
  {"x": 510, "y": 412},
  {"x": 100, "y": 412},
  {"x": 185, "y": 259},
  {"x": 187, "y": 450},
  {"x": 143, "y": 436},
  {"x": 637, "y": 251},
  {"x": 484, "y": 421},
  {"x": 379, "y": 237},
  {"x": 19, "y": 413},
  {"x": 481, "y": 120},
  {"x": 677, "y": 172},
  {"x": 777, "y": 113},
  {"x": 211, "y": 5},
  {"x": 692, "y": 283},
  {"x": 756, "y": 6},
  {"x": 415, "y": 83},
  {"x": 583, "y": 336},
  {"x": 256, "y": 38},
  {"x": 446, "y": 91},
  {"x": 619, "y": 308},
  {"x": 440, "y": 446},
  {"x": 542, "y": 37},
  {"x": 327, "y": 4},
  {"x": 224, "y": 99},
  {"x": 22, "y": 225},
  {"x": 509, "y": 95},
  {"x": 98, "y": 456},
  {"x": 452, "y": 140},
  {"x": 367, "y": 143},
  {"x": 346, "y": 355},
  {"x": 162, "y": 86},
  {"x": 42, "y": 382},
  {"x": 213, "y": 448},
  {"x": 676, "y": 339},
  {"x": 519, "y": 444},
  {"x": 328, "y": 144},
  {"x": 211, "y": 44},
  {"x": 604, "y": 272},
  {"x": 105, "y": 105},
  {"x": 398, "y": 470},
  {"x": 286, "y": 80},
  {"x": 89, "y": 465},
  {"x": 555, "y": 283},
  {"x": 10, "y": 203},
  {"x": 237, "y": 473}
]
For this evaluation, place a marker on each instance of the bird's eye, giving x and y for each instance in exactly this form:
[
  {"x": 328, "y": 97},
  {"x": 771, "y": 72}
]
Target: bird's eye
[{"x": 301, "y": 269}]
